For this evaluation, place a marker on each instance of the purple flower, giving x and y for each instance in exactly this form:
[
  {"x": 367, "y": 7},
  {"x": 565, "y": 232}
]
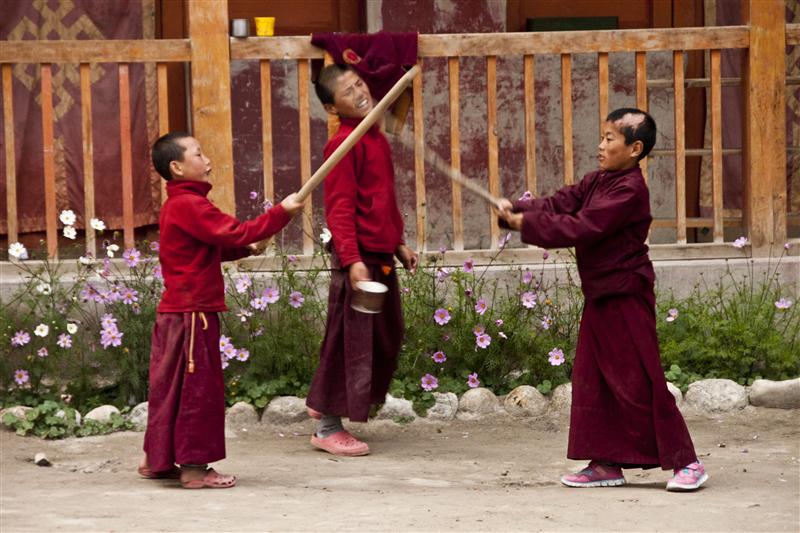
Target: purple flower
[
  {"x": 154, "y": 246},
  {"x": 483, "y": 340},
  {"x": 271, "y": 295},
  {"x": 442, "y": 274},
  {"x": 89, "y": 293},
  {"x": 21, "y": 377},
  {"x": 225, "y": 363},
  {"x": 259, "y": 303},
  {"x": 229, "y": 352},
  {"x": 783, "y": 303},
  {"x": 478, "y": 329},
  {"x": 157, "y": 274},
  {"x": 296, "y": 299},
  {"x": 672, "y": 314},
  {"x": 223, "y": 342},
  {"x": 242, "y": 354},
  {"x": 499, "y": 322},
  {"x": 528, "y": 300},
  {"x": 442, "y": 249},
  {"x": 527, "y": 277},
  {"x": 42, "y": 352},
  {"x": 64, "y": 340},
  {"x": 132, "y": 257},
  {"x": 473, "y": 381},
  {"x": 445, "y": 338},
  {"x": 545, "y": 255},
  {"x": 481, "y": 307},
  {"x": 546, "y": 321},
  {"x": 786, "y": 246},
  {"x": 741, "y": 242},
  {"x": 556, "y": 357},
  {"x": 439, "y": 357},
  {"x": 406, "y": 290},
  {"x": 129, "y": 296},
  {"x": 258, "y": 332},
  {"x": 441, "y": 316},
  {"x": 527, "y": 195},
  {"x": 429, "y": 382},
  {"x": 20, "y": 338},
  {"x": 266, "y": 205},
  {"x": 292, "y": 259},
  {"x": 244, "y": 314},
  {"x": 469, "y": 265},
  {"x": 108, "y": 321},
  {"x": 111, "y": 337},
  {"x": 243, "y": 283},
  {"x": 253, "y": 195}
]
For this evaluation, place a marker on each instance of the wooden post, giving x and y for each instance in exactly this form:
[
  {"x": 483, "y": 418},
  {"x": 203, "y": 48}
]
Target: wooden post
[
  {"x": 764, "y": 125},
  {"x": 211, "y": 94},
  {"x": 11, "y": 160}
]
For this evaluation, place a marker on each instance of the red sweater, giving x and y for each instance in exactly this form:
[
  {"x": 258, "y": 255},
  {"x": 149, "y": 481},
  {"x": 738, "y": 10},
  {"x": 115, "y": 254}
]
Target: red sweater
[
  {"x": 195, "y": 238},
  {"x": 360, "y": 200}
]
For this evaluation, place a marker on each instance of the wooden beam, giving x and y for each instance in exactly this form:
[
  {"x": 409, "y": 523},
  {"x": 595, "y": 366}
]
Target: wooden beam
[
  {"x": 125, "y": 154},
  {"x": 455, "y": 152},
  {"x": 641, "y": 96},
  {"x": 91, "y": 51},
  {"x": 48, "y": 143},
  {"x": 680, "y": 147},
  {"x": 419, "y": 159},
  {"x": 303, "y": 73},
  {"x": 530, "y": 122},
  {"x": 11, "y": 159},
  {"x": 211, "y": 94},
  {"x": 163, "y": 113},
  {"x": 716, "y": 145},
  {"x": 491, "y": 141},
  {"x": 88, "y": 157},
  {"x": 266, "y": 130},
  {"x": 602, "y": 88},
  {"x": 566, "y": 117}
]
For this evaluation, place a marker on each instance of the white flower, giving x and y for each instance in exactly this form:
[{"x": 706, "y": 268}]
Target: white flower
[
  {"x": 69, "y": 232},
  {"x": 741, "y": 242},
  {"x": 111, "y": 249},
  {"x": 97, "y": 224},
  {"x": 41, "y": 330},
  {"x": 84, "y": 260},
  {"x": 72, "y": 328},
  {"x": 18, "y": 251},
  {"x": 325, "y": 236},
  {"x": 67, "y": 217},
  {"x": 43, "y": 288}
]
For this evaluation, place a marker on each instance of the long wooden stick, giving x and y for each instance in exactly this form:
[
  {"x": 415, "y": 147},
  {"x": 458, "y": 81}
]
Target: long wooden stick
[{"x": 371, "y": 118}]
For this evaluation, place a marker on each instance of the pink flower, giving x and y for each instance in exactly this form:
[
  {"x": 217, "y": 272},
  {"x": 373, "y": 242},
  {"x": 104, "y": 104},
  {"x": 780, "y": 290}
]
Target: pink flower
[
  {"x": 498, "y": 322},
  {"x": 21, "y": 377},
  {"x": 223, "y": 342},
  {"x": 556, "y": 357},
  {"x": 225, "y": 363},
  {"x": 111, "y": 337},
  {"x": 527, "y": 195},
  {"x": 42, "y": 352},
  {"x": 157, "y": 274},
  {"x": 468, "y": 293},
  {"x": 266, "y": 205},
  {"x": 546, "y": 321},
  {"x": 429, "y": 382},
  {"x": 406, "y": 290},
  {"x": 468, "y": 265},
  {"x": 528, "y": 300},
  {"x": 132, "y": 257},
  {"x": 483, "y": 340},
  {"x": 129, "y": 296},
  {"x": 259, "y": 303},
  {"x": 244, "y": 314},
  {"x": 253, "y": 195},
  {"x": 243, "y": 283},
  {"x": 545, "y": 255},
  {"x": 741, "y": 242},
  {"x": 473, "y": 381},
  {"x": 478, "y": 330},
  {"x": 271, "y": 295},
  {"x": 786, "y": 246},
  {"x": 292, "y": 259},
  {"x": 441, "y": 316},
  {"x": 527, "y": 277},
  {"x": 442, "y": 249},
  {"x": 64, "y": 340},
  {"x": 481, "y": 307},
  {"x": 242, "y": 354},
  {"x": 108, "y": 321},
  {"x": 20, "y": 338},
  {"x": 296, "y": 299},
  {"x": 783, "y": 304},
  {"x": 258, "y": 332},
  {"x": 229, "y": 352},
  {"x": 439, "y": 357},
  {"x": 672, "y": 314},
  {"x": 442, "y": 274},
  {"x": 154, "y": 246},
  {"x": 504, "y": 241}
]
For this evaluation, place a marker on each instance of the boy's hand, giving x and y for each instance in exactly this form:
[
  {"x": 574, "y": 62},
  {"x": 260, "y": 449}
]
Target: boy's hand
[
  {"x": 358, "y": 272},
  {"x": 514, "y": 220},
  {"x": 291, "y": 205},
  {"x": 504, "y": 204},
  {"x": 258, "y": 248},
  {"x": 408, "y": 257}
]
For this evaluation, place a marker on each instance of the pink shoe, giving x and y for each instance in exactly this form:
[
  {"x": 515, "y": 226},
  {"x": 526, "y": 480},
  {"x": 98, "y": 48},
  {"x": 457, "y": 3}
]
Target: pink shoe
[
  {"x": 595, "y": 475},
  {"x": 341, "y": 443},
  {"x": 690, "y": 477},
  {"x": 316, "y": 415}
]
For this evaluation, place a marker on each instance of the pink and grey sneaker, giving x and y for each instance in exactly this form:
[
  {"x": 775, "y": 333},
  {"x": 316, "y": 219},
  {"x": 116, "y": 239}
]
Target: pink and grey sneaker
[
  {"x": 690, "y": 477},
  {"x": 340, "y": 443},
  {"x": 595, "y": 475}
]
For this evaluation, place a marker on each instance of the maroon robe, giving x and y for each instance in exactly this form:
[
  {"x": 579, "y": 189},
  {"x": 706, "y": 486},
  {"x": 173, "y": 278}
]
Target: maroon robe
[{"x": 622, "y": 411}]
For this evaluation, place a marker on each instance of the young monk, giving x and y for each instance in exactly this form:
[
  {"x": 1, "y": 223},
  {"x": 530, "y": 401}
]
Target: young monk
[
  {"x": 186, "y": 415},
  {"x": 359, "y": 352},
  {"x": 623, "y": 415}
]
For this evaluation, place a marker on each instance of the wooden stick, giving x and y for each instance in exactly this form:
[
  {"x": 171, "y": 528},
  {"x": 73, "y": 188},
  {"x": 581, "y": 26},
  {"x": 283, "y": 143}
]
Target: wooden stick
[{"x": 371, "y": 118}]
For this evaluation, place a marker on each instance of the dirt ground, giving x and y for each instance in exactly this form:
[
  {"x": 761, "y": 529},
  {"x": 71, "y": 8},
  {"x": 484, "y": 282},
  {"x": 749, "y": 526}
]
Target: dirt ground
[{"x": 476, "y": 476}]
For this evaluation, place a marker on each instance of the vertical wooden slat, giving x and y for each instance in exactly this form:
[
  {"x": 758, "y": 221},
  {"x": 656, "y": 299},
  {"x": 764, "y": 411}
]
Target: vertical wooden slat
[
  {"x": 716, "y": 145},
  {"x": 455, "y": 152},
  {"x": 125, "y": 153},
  {"x": 491, "y": 127},
  {"x": 566, "y": 116},
  {"x": 163, "y": 113},
  {"x": 680, "y": 146},
  {"x": 49, "y": 161},
  {"x": 641, "y": 96},
  {"x": 333, "y": 120},
  {"x": 88, "y": 156},
  {"x": 303, "y": 69},
  {"x": 266, "y": 130},
  {"x": 419, "y": 160},
  {"x": 530, "y": 123},
  {"x": 11, "y": 161},
  {"x": 602, "y": 87}
]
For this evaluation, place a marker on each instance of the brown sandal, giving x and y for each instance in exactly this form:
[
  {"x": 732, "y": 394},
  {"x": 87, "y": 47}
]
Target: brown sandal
[
  {"x": 211, "y": 480},
  {"x": 173, "y": 473}
]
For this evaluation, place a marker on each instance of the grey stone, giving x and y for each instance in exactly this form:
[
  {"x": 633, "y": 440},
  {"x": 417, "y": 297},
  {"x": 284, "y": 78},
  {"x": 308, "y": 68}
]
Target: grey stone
[
  {"x": 20, "y": 411},
  {"x": 138, "y": 416},
  {"x": 781, "y": 394},
  {"x": 714, "y": 395},
  {"x": 285, "y": 410},
  {"x": 676, "y": 392},
  {"x": 561, "y": 397},
  {"x": 477, "y": 403},
  {"x": 102, "y": 414},
  {"x": 525, "y": 401},
  {"x": 445, "y": 408},
  {"x": 241, "y": 414},
  {"x": 61, "y": 414},
  {"x": 40, "y": 459},
  {"x": 396, "y": 408}
]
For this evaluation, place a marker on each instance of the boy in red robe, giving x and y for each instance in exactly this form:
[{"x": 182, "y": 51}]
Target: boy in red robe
[
  {"x": 623, "y": 415},
  {"x": 186, "y": 414},
  {"x": 359, "y": 353}
]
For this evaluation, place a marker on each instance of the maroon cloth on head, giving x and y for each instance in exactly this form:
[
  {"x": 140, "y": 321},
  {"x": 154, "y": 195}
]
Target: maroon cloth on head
[
  {"x": 359, "y": 353},
  {"x": 186, "y": 412},
  {"x": 377, "y": 57}
]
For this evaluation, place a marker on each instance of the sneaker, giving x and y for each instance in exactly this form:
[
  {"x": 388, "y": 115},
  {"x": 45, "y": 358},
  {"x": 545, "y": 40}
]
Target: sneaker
[
  {"x": 595, "y": 475},
  {"x": 340, "y": 443},
  {"x": 690, "y": 477}
]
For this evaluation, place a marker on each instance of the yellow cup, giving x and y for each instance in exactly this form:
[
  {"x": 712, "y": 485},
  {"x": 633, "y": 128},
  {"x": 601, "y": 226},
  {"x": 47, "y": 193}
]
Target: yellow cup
[{"x": 265, "y": 26}]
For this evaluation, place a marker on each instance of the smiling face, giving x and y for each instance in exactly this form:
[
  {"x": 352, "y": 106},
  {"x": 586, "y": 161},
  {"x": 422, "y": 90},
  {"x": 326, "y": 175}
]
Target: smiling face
[
  {"x": 613, "y": 153},
  {"x": 351, "y": 97},
  {"x": 195, "y": 165}
]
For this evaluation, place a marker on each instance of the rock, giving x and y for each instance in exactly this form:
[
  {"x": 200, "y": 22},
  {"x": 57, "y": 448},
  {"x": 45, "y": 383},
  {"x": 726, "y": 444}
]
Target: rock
[
  {"x": 20, "y": 411},
  {"x": 396, "y": 408},
  {"x": 561, "y": 398},
  {"x": 138, "y": 416},
  {"x": 780, "y": 394},
  {"x": 716, "y": 395},
  {"x": 61, "y": 414},
  {"x": 241, "y": 414},
  {"x": 525, "y": 401},
  {"x": 445, "y": 408},
  {"x": 676, "y": 392},
  {"x": 285, "y": 410},
  {"x": 102, "y": 414},
  {"x": 477, "y": 403},
  {"x": 40, "y": 459}
]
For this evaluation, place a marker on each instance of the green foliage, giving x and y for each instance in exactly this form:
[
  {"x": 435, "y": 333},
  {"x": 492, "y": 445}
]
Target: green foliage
[{"x": 51, "y": 420}]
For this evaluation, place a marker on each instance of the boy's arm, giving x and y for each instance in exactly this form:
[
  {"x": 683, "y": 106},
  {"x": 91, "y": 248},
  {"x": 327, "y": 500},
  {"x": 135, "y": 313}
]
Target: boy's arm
[
  {"x": 234, "y": 254},
  {"x": 341, "y": 189},
  {"x": 566, "y": 200}
]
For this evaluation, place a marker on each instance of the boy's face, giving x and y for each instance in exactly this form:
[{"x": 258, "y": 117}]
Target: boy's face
[
  {"x": 613, "y": 153},
  {"x": 351, "y": 98},
  {"x": 195, "y": 165}
]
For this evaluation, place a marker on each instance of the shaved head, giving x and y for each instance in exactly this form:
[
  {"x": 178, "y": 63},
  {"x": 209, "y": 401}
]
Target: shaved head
[{"x": 635, "y": 125}]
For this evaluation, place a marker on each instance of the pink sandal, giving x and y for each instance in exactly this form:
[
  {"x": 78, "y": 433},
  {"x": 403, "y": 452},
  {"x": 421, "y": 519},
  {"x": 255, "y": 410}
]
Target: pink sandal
[{"x": 341, "y": 443}]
